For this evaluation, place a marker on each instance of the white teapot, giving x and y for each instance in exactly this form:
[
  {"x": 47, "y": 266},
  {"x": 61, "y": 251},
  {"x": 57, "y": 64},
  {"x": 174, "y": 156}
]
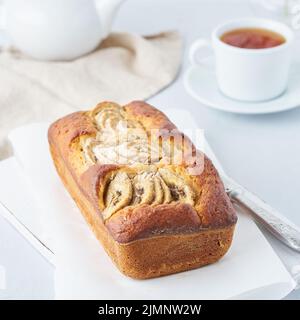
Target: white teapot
[{"x": 57, "y": 29}]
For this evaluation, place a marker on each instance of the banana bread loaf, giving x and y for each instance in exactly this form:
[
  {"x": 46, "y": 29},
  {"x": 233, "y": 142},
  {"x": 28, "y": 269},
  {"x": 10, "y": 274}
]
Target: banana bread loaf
[{"x": 155, "y": 203}]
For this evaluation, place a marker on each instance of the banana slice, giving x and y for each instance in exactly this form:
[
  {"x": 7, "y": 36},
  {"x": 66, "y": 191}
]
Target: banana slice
[
  {"x": 118, "y": 194},
  {"x": 87, "y": 147},
  {"x": 108, "y": 119},
  {"x": 109, "y": 116},
  {"x": 166, "y": 191},
  {"x": 102, "y": 107},
  {"x": 180, "y": 191},
  {"x": 143, "y": 189},
  {"x": 105, "y": 155},
  {"x": 158, "y": 191}
]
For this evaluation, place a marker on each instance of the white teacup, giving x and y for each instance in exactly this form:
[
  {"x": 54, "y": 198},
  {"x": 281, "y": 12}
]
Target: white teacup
[{"x": 249, "y": 74}]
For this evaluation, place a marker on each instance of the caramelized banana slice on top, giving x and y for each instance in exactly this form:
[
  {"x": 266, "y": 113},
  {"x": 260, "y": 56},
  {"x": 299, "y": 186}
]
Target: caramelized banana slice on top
[{"x": 118, "y": 194}]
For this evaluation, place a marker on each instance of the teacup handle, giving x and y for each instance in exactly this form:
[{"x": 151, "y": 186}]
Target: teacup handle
[{"x": 196, "y": 47}]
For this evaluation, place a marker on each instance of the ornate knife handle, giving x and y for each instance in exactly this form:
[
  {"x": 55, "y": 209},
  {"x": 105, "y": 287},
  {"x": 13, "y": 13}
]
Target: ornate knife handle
[{"x": 264, "y": 214}]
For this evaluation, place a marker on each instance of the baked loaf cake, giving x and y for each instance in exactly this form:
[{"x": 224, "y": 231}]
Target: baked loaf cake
[{"x": 155, "y": 203}]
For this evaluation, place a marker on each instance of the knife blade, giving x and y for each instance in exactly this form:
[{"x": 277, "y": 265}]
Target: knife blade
[{"x": 263, "y": 213}]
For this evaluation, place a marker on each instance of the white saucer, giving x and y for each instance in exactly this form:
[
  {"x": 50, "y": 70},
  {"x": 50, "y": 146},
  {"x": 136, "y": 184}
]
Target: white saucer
[{"x": 201, "y": 83}]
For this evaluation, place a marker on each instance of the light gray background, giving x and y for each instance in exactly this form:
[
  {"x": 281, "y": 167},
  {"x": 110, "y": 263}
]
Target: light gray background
[{"x": 261, "y": 152}]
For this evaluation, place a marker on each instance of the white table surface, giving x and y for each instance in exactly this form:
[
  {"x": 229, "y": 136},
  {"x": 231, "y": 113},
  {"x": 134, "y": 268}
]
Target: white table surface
[{"x": 261, "y": 152}]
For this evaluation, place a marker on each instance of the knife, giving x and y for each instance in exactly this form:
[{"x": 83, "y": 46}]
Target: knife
[{"x": 263, "y": 213}]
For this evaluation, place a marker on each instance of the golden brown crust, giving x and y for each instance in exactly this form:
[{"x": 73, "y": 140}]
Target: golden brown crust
[
  {"x": 65, "y": 130},
  {"x": 134, "y": 223},
  {"x": 137, "y": 227}
]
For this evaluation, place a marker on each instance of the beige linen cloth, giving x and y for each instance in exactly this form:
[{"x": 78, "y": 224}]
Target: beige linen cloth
[{"x": 125, "y": 67}]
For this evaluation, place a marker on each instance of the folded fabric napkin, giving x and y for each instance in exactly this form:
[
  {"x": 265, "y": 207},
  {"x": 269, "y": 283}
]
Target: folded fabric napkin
[
  {"x": 251, "y": 269},
  {"x": 125, "y": 67}
]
